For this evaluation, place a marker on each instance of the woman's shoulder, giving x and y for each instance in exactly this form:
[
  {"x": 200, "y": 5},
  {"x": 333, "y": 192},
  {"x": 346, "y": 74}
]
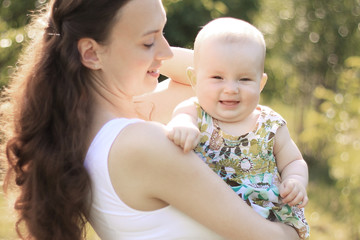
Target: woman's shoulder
[
  {"x": 143, "y": 162},
  {"x": 140, "y": 132},
  {"x": 142, "y": 141}
]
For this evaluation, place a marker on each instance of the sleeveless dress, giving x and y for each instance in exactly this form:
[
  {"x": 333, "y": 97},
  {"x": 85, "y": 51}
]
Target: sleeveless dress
[
  {"x": 248, "y": 165},
  {"x": 112, "y": 219}
]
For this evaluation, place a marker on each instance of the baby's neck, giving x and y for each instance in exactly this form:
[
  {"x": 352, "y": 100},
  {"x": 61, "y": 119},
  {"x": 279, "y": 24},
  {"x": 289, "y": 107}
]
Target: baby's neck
[{"x": 241, "y": 127}]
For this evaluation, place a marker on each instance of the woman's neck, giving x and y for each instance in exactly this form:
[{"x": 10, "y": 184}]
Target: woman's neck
[{"x": 107, "y": 106}]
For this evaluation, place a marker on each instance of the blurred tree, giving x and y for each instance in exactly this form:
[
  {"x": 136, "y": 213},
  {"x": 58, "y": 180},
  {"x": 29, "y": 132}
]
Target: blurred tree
[
  {"x": 308, "y": 42},
  {"x": 340, "y": 109},
  {"x": 186, "y": 17},
  {"x": 313, "y": 65},
  {"x": 13, "y": 18}
]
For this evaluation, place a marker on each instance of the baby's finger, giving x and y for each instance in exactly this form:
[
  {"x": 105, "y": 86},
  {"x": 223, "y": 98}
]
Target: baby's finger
[
  {"x": 297, "y": 199},
  {"x": 188, "y": 146},
  {"x": 191, "y": 142},
  {"x": 291, "y": 194},
  {"x": 170, "y": 134},
  {"x": 284, "y": 190},
  {"x": 177, "y": 137},
  {"x": 304, "y": 202},
  {"x": 183, "y": 139}
]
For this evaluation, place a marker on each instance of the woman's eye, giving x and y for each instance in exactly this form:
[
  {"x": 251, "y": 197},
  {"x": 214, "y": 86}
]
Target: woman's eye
[{"x": 149, "y": 45}]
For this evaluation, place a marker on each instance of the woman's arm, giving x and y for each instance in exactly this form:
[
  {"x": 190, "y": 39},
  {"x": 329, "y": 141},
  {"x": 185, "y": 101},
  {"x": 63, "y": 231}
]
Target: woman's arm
[
  {"x": 161, "y": 174},
  {"x": 175, "y": 68}
]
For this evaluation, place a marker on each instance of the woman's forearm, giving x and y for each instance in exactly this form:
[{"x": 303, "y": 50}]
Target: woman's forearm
[
  {"x": 175, "y": 68},
  {"x": 199, "y": 192}
]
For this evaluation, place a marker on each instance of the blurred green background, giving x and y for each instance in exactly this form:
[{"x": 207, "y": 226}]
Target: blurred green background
[{"x": 313, "y": 64}]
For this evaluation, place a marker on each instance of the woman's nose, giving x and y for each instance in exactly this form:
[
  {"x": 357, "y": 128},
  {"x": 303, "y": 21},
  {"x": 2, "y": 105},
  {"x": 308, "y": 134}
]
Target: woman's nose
[{"x": 164, "y": 51}]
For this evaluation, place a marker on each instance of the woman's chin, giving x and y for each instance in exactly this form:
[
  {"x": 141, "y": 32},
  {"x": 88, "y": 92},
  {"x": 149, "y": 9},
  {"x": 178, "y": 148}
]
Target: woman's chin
[{"x": 148, "y": 87}]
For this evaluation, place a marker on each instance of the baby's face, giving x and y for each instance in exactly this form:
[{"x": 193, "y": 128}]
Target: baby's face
[{"x": 229, "y": 78}]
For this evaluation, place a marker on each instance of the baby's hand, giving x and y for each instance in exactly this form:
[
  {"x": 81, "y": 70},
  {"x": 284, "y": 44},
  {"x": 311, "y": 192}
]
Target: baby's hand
[
  {"x": 187, "y": 137},
  {"x": 183, "y": 132},
  {"x": 293, "y": 193}
]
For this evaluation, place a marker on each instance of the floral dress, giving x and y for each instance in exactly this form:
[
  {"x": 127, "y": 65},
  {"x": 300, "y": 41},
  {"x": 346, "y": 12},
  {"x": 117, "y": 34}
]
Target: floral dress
[{"x": 247, "y": 164}]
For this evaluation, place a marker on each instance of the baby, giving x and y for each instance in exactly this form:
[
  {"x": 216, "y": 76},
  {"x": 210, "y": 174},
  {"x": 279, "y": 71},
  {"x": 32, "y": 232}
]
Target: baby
[{"x": 246, "y": 144}]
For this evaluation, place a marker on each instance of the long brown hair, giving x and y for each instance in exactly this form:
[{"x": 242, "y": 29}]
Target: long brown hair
[{"x": 49, "y": 96}]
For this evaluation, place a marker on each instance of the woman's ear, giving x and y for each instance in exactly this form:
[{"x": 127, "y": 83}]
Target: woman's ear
[
  {"x": 263, "y": 81},
  {"x": 190, "y": 72},
  {"x": 88, "y": 53}
]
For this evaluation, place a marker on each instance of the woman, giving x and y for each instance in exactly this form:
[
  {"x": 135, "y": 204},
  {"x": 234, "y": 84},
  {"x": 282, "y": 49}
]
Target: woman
[{"x": 74, "y": 108}]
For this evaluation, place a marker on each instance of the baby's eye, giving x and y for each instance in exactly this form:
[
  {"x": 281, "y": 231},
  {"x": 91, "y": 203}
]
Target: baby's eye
[
  {"x": 245, "y": 79},
  {"x": 217, "y": 77}
]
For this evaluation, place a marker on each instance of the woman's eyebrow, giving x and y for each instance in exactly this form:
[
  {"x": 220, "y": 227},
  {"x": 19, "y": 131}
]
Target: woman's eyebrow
[
  {"x": 151, "y": 32},
  {"x": 155, "y": 30}
]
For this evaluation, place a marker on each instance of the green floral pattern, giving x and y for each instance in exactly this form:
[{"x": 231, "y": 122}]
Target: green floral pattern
[{"x": 248, "y": 165}]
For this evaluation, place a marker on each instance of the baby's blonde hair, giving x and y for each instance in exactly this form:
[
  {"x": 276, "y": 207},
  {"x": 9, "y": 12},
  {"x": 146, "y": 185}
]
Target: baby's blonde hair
[{"x": 230, "y": 30}]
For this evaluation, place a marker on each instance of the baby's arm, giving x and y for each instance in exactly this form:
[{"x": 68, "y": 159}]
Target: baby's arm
[
  {"x": 293, "y": 169},
  {"x": 182, "y": 129}
]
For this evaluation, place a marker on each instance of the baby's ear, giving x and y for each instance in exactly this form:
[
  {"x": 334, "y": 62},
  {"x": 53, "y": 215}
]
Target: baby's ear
[
  {"x": 263, "y": 81},
  {"x": 190, "y": 72}
]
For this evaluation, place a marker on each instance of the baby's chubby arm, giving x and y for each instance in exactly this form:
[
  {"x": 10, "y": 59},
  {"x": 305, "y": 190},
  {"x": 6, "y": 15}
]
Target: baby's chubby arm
[
  {"x": 293, "y": 169},
  {"x": 182, "y": 129}
]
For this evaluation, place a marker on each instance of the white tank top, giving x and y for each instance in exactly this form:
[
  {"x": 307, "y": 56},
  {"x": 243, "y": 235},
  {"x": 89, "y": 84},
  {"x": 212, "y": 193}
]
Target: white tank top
[{"x": 112, "y": 219}]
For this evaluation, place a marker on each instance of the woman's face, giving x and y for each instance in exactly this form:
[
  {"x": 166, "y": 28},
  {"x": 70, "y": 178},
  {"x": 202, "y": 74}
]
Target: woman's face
[{"x": 136, "y": 47}]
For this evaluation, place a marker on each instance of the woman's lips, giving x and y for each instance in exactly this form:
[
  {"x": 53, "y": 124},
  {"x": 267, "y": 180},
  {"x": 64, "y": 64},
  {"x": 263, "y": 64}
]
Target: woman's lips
[{"x": 154, "y": 73}]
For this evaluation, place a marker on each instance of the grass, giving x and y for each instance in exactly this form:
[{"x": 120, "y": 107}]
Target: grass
[
  {"x": 324, "y": 224},
  {"x": 8, "y": 219}
]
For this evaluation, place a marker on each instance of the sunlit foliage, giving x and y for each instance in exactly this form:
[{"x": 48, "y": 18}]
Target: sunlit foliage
[
  {"x": 308, "y": 43},
  {"x": 13, "y": 18},
  {"x": 313, "y": 65},
  {"x": 185, "y": 17},
  {"x": 344, "y": 110}
]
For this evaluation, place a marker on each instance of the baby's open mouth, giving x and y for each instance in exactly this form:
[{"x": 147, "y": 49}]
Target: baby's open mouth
[{"x": 229, "y": 102}]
